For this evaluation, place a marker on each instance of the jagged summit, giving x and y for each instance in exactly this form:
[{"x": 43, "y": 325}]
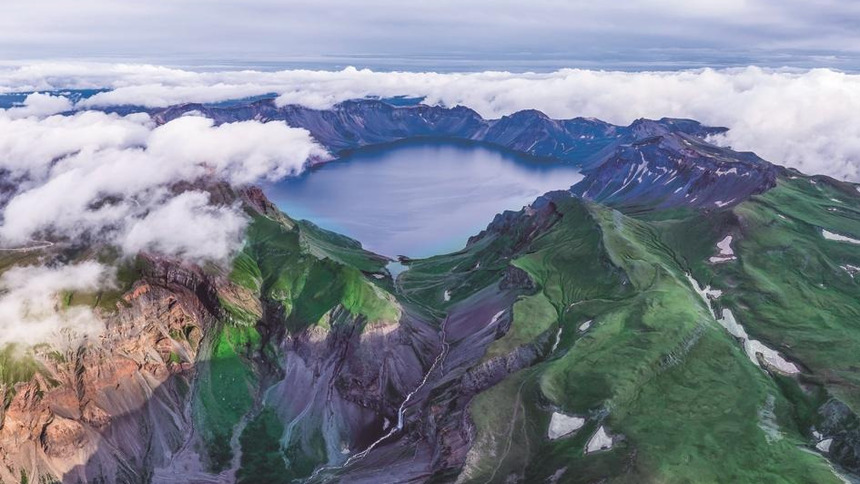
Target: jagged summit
[
  {"x": 650, "y": 163},
  {"x": 658, "y": 167}
]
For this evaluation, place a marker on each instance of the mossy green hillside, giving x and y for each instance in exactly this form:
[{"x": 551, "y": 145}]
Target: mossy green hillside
[
  {"x": 793, "y": 288},
  {"x": 308, "y": 272},
  {"x": 226, "y": 389},
  {"x": 653, "y": 366}
]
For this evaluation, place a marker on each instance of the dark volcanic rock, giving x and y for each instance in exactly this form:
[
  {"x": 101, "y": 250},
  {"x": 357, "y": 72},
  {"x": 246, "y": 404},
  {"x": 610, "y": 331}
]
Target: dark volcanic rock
[
  {"x": 651, "y": 163},
  {"x": 656, "y": 167},
  {"x": 843, "y": 426},
  {"x": 355, "y": 124}
]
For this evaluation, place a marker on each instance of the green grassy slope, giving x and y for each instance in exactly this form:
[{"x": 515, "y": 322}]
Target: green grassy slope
[
  {"x": 654, "y": 368},
  {"x": 306, "y": 273},
  {"x": 792, "y": 287},
  {"x": 309, "y": 271},
  {"x": 639, "y": 352}
]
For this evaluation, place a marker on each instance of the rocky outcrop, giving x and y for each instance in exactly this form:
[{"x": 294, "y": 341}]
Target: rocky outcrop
[
  {"x": 842, "y": 425},
  {"x": 365, "y": 122},
  {"x": 498, "y": 368},
  {"x": 114, "y": 407},
  {"x": 656, "y": 167},
  {"x": 523, "y": 226}
]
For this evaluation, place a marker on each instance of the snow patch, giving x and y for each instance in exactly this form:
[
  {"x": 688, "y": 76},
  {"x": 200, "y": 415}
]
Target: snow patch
[
  {"x": 725, "y": 246},
  {"x": 599, "y": 441},
  {"x": 752, "y": 347},
  {"x": 447, "y": 295},
  {"x": 824, "y": 445},
  {"x": 850, "y": 269},
  {"x": 561, "y": 425},
  {"x": 837, "y": 237},
  {"x": 726, "y": 252},
  {"x": 705, "y": 293},
  {"x": 496, "y": 316},
  {"x": 584, "y": 326}
]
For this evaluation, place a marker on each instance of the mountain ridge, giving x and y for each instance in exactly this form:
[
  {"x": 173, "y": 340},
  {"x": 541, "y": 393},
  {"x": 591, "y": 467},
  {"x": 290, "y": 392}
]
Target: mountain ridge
[
  {"x": 586, "y": 304},
  {"x": 604, "y": 151}
]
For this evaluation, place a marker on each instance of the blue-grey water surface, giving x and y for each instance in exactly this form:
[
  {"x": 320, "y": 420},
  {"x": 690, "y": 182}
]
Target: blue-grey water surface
[{"x": 419, "y": 198}]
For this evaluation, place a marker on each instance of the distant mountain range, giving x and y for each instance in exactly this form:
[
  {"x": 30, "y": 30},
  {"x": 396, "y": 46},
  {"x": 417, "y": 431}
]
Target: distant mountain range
[
  {"x": 660, "y": 163},
  {"x": 685, "y": 313}
]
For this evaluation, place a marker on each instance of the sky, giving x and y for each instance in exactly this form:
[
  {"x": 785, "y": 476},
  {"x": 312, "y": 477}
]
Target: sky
[{"x": 439, "y": 35}]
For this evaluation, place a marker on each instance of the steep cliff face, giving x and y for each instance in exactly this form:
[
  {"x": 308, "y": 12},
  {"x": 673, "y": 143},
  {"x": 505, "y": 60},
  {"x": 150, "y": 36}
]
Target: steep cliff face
[
  {"x": 355, "y": 124},
  {"x": 657, "y": 167},
  {"x": 648, "y": 164},
  {"x": 114, "y": 407}
]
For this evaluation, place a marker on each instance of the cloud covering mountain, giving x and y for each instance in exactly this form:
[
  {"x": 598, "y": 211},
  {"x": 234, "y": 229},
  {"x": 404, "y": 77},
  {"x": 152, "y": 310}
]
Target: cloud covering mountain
[
  {"x": 109, "y": 178},
  {"x": 29, "y": 310},
  {"x": 803, "y": 119},
  {"x": 93, "y": 174}
]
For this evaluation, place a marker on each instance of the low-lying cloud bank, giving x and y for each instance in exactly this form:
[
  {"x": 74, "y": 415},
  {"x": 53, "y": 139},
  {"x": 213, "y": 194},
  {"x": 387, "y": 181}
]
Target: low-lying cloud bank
[
  {"x": 113, "y": 179},
  {"x": 31, "y": 309},
  {"x": 802, "y": 119},
  {"x": 93, "y": 174}
]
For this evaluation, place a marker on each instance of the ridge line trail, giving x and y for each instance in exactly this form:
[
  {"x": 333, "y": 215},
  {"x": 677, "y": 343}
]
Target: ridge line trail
[
  {"x": 43, "y": 244},
  {"x": 517, "y": 405}
]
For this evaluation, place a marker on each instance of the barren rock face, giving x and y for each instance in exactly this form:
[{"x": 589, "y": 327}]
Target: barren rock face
[
  {"x": 63, "y": 438},
  {"x": 69, "y": 422}
]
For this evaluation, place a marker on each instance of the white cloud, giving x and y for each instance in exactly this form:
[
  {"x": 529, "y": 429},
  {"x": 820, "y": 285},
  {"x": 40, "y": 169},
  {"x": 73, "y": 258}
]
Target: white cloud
[
  {"x": 31, "y": 310},
  {"x": 100, "y": 175},
  {"x": 38, "y": 104},
  {"x": 188, "y": 226},
  {"x": 29, "y": 147},
  {"x": 242, "y": 152},
  {"x": 111, "y": 178},
  {"x": 802, "y": 119}
]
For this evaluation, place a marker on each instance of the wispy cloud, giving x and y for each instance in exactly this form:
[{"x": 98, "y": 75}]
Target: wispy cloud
[{"x": 31, "y": 310}]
